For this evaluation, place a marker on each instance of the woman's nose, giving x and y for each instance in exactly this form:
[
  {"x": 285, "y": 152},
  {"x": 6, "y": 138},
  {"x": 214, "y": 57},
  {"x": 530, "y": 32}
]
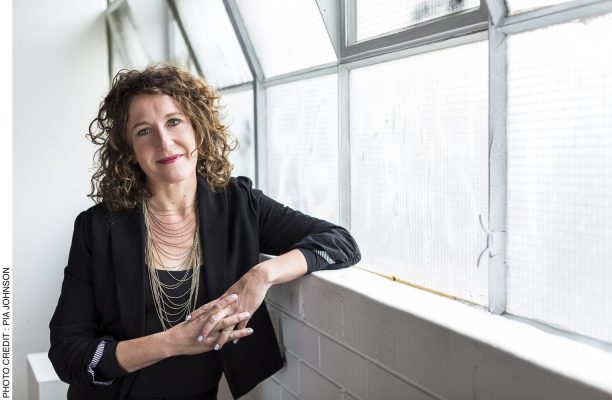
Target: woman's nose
[{"x": 164, "y": 138}]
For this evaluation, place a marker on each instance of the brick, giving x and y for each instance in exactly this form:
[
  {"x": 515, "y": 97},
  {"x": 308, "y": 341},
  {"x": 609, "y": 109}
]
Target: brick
[
  {"x": 346, "y": 396},
  {"x": 502, "y": 376},
  {"x": 289, "y": 374},
  {"x": 435, "y": 357},
  {"x": 315, "y": 387},
  {"x": 384, "y": 386},
  {"x": 345, "y": 367},
  {"x": 369, "y": 327},
  {"x": 287, "y": 296},
  {"x": 299, "y": 339},
  {"x": 266, "y": 390},
  {"x": 287, "y": 395},
  {"x": 322, "y": 307}
]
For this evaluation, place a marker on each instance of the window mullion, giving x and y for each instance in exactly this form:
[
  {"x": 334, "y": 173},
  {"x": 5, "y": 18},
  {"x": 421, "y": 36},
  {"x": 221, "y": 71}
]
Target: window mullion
[
  {"x": 497, "y": 159},
  {"x": 344, "y": 153}
]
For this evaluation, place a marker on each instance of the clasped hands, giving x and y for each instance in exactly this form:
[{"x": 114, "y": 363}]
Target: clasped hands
[{"x": 224, "y": 319}]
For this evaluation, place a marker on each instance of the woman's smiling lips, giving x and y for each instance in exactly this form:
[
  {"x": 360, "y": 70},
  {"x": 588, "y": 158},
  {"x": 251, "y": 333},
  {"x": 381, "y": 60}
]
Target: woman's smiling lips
[{"x": 169, "y": 160}]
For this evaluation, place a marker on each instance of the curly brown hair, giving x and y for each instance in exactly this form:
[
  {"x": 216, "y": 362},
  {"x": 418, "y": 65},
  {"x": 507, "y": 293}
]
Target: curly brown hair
[{"x": 119, "y": 182}]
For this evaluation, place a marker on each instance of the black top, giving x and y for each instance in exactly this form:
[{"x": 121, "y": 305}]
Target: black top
[{"x": 167, "y": 378}]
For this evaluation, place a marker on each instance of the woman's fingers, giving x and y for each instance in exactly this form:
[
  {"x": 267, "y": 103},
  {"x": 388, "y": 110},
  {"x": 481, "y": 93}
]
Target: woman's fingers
[
  {"x": 213, "y": 307},
  {"x": 218, "y": 312},
  {"x": 230, "y": 335}
]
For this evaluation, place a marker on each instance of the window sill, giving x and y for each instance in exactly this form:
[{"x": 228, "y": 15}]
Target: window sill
[{"x": 574, "y": 357}]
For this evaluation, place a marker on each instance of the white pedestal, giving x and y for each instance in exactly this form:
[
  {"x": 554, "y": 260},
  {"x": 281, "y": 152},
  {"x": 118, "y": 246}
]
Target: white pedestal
[{"x": 43, "y": 382}]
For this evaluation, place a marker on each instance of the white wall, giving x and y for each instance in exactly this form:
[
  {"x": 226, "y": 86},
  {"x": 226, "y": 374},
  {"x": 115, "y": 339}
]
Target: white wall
[
  {"x": 60, "y": 74},
  {"x": 340, "y": 344}
]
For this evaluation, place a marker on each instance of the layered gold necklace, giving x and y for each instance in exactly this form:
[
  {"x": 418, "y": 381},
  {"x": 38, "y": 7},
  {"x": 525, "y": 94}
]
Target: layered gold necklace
[{"x": 173, "y": 235}]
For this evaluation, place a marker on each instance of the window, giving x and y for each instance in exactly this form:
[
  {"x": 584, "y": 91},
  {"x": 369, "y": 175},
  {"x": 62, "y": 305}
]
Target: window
[
  {"x": 238, "y": 115},
  {"x": 287, "y": 35},
  {"x": 419, "y": 167},
  {"x": 393, "y": 135},
  {"x": 214, "y": 42},
  {"x": 376, "y": 17},
  {"x": 126, "y": 38},
  {"x": 560, "y": 176},
  {"x": 302, "y": 145}
]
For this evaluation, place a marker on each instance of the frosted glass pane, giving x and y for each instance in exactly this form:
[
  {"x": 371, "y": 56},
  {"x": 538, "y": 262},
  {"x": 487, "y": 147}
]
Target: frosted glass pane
[
  {"x": 132, "y": 52},
  {"x": 287, "y": 35},
  {"x": 238, "y": 115},
  {"x": 302, "y": 146},
  {"x": 560, "y": 176},
  {"x": 419, "y": 168},
  {"x": 117, "y": 61},
  {"x": 376, "y": 17},
  {"x": 519, "y": 6},
  {"x": 179, "y": 50},
  {"x": 214, "y": 42}
]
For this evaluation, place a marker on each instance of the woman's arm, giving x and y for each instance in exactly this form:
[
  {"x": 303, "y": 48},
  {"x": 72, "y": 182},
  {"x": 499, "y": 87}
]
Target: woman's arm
[
  {"x": 303, "y": 244},
  {"x": 254, "y": 285}
]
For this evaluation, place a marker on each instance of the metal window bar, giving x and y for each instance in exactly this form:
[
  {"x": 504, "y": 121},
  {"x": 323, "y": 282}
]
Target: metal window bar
[
  {"x": 498, "y": 95},
  {"x": 421, "y": 34}
]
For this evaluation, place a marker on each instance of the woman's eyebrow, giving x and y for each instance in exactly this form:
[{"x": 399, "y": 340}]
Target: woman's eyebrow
[{"x": 146, "y": 122}]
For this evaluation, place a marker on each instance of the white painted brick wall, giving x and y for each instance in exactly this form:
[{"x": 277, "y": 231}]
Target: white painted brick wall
[{"x": 340, "y": 344}]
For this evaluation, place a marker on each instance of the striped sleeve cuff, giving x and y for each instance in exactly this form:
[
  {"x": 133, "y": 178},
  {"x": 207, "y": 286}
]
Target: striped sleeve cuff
[
  {"x": 94, "y": 363},
  {"x": 316, "y": 260}
]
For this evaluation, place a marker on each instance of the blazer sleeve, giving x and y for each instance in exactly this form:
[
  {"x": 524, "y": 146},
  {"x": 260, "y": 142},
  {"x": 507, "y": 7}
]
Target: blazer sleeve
[
  {"x": 76, "y": 343},
  {"x": 324, "y": 245}
]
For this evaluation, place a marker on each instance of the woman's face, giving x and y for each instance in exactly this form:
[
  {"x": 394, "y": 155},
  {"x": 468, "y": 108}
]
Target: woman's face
[{"x": 163, "y": 139}]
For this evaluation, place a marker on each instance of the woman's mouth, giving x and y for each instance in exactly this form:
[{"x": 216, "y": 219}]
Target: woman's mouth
[{"x": 169, "y": 160}]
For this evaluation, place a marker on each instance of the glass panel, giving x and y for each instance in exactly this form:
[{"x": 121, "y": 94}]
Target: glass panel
[
  {"x": 519, "y": 6},
  {"x": 127, "y": 38},
  {"x": 117, "y": 61},
  {"x": 214, "y": 42},
  {"x": 378, "y": 17},
  {"x": 287, "y": 35},
  {"x": 419, "y": 168},
  {"x": 559, "y": 248},
  {"x": 238, "y": 115},
  {"x": 302, "y": 146},
  {"x": 179, "y": 50}
]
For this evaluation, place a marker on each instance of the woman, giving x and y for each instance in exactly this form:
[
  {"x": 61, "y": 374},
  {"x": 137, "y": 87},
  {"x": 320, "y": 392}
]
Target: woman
[{"x": 165, "y": 268}]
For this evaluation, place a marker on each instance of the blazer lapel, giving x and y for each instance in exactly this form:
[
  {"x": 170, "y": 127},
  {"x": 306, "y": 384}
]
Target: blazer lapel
[
  {"x": 128, "y": 241},
  {"x": 213, "y": 232}
]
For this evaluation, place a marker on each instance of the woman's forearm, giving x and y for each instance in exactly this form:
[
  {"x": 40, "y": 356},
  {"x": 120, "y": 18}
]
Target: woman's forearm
[{"x": 135, "y": 354}]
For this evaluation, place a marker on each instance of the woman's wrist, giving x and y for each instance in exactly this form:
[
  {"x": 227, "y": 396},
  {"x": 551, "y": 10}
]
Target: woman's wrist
[
  {"x": 166, "y": 345},
  {"x": 264, "y": 274},
  {"x": 281, "y": 269}
]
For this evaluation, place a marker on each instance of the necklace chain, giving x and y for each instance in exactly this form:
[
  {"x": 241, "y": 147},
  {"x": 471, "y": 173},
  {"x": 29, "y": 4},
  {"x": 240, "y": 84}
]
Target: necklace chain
[{"x": 184, "y": 240}]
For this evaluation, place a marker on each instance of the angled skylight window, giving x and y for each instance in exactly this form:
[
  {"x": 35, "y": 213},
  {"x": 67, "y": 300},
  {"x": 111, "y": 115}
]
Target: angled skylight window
[
  {"x": 214, "y": 42},
  {"x": 286, "y": 35},
  {"x": 125, "y": 36},
  {"x": 178, "y": 49},
  {"x": 379, "y": 17}
]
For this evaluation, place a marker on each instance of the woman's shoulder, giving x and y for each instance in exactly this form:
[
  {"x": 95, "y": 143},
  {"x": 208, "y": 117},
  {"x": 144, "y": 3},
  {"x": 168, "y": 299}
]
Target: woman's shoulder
[
  {"x": 99, "y": 215},
  {"x": 239, "y": 185}
]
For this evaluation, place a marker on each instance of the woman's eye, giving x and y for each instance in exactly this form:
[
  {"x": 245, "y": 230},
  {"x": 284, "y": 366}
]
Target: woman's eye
[
  {"x": 142, "y": 132},
  {"x": 174, "y": 121}
]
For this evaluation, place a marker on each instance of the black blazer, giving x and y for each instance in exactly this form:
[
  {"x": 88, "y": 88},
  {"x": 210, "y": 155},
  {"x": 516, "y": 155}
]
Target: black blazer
[{"x": 102, "y": 293}]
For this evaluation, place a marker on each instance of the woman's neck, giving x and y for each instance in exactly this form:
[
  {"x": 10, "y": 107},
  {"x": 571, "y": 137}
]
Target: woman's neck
[{"x": 175, "y": 196}]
